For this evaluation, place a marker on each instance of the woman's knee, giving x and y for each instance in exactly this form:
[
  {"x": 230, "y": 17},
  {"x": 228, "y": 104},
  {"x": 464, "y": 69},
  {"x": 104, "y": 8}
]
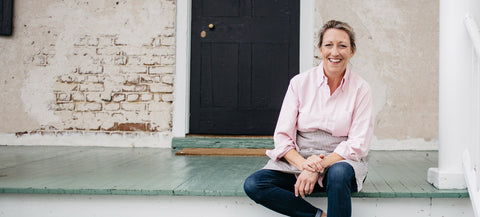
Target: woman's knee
[
  {"x": 252, "y": 186},
  {"x": 340, "y": 172}
]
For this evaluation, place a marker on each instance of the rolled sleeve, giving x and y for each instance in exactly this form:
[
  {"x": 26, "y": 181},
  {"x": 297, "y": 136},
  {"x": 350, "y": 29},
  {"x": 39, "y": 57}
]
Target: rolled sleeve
[
  {"x": 286, "y": 130},
  {"x": 357, "y": 145}
]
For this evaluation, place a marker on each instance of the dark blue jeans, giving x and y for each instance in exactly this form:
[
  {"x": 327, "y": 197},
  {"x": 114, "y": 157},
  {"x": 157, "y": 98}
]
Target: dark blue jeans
[{"x": 275, "y": 190}]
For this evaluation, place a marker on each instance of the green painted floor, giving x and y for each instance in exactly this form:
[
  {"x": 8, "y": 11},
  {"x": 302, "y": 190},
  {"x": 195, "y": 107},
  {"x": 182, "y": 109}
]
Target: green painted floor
[{"x": 150, "y": 171}]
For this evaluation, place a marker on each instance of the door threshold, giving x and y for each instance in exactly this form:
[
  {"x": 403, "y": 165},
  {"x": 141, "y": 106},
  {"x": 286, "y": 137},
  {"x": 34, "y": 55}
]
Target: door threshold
[{"x": 215, "y": 141}]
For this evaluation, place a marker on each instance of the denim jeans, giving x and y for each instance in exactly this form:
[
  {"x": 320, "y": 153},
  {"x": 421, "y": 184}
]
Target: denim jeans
[{"x": 275, "y": 190}]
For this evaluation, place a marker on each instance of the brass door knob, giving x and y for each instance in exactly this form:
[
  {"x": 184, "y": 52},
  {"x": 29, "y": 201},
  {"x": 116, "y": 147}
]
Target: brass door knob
[{"x": 211, "y": 26}]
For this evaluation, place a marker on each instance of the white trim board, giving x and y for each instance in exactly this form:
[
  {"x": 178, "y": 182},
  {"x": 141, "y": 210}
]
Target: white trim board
[{"x": 179, "y": 206}]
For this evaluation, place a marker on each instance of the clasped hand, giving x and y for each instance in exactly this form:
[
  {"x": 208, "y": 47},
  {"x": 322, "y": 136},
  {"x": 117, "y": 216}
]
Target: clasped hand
[
  {"x": 313, "y": 163},
  {"x": 307, "y": 179}
]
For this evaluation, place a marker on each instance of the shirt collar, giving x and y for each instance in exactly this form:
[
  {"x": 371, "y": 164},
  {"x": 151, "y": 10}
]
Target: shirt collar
[{"x": 322, "y": 78}]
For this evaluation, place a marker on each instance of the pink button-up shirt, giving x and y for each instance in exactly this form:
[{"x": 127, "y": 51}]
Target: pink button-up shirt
[{"x": 308, "y": 106}]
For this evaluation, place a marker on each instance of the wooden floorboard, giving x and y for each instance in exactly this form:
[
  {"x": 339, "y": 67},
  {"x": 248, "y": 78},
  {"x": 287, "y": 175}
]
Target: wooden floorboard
[{"x": 150, "y": 171}]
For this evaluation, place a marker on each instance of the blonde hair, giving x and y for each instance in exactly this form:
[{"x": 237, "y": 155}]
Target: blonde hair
[{"x": 335, "y": 24}]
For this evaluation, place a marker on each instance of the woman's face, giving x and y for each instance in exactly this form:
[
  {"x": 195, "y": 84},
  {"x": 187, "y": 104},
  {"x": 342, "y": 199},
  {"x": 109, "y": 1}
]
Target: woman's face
[{"x": 336, "y": 51}]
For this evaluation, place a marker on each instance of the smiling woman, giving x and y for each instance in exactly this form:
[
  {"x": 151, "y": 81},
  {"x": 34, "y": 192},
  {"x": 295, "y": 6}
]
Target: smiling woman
[
  {"x": 322, "y": 135},
  {"x": 337, "y": 46}
]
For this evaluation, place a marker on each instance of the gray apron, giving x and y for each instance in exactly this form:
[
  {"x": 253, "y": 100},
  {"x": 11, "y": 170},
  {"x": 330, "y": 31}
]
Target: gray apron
[{"x": 316, "y": 143}]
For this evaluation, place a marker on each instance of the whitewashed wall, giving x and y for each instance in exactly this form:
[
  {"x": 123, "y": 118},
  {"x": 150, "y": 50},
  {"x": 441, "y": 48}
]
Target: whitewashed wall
[{"x": 102, "y": 72}]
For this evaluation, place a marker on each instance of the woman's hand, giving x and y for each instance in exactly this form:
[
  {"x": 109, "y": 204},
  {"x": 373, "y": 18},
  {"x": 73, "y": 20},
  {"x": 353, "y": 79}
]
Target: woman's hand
[
  {"x": 305, "y": 183},
  {"x": 313, "y": 164}
]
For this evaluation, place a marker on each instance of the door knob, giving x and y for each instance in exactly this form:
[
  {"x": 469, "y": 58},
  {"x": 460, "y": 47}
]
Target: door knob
[{"x": 211, "y": 26}]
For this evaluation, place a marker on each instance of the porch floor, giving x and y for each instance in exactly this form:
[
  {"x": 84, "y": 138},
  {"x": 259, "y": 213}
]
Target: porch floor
[{"x": 153, "y": 171}]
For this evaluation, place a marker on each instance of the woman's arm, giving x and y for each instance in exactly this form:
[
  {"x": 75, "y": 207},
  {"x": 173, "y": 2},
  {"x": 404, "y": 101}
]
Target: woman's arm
[{"x": 360, "y": 133}]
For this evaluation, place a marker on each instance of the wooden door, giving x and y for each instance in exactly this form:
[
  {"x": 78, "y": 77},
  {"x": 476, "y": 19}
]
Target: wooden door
[{"x": 244, "y": 53}]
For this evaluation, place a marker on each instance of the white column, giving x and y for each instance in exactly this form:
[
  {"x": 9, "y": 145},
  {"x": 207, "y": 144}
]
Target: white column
[{"x": 455, "y": 64}]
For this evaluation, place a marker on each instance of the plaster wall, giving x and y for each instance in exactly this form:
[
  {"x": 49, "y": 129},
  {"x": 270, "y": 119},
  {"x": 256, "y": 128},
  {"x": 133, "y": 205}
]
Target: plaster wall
[{"x": 397, "y": 53}]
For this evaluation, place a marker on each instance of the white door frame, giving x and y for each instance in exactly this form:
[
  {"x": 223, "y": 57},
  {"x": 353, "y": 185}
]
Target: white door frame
[{"x": 181, "y": 104}]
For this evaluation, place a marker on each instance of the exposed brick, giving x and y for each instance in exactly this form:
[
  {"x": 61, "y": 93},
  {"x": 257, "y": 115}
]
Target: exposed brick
[
  {"x": 118, "y": 97},
  {"x": 112, "y": 106},
  {"x": 134, "y": 88},
  {"x": 132, "y": 97},
  {"x": 118, "y": 42},
  {"x": 84, "y": 52},
  {"x": 168, "y": 41},
  {"x": 117, "y": 78},
  {"x": 140, "y": 88},
  {"x": 168, "y": 60},
  {"x": 78, "y": 96},
  {"x": 118, "y": 116},
  {"x": 107, "y": 50},
  {"x": 93, "y": 97},
  {"x": 120, "y": 60},
  {"x": 88, "y": 106},
  {"x": 79, "y": 79},
  {"x": 131, "y": 127},
  {"x": 167, "y": 97},
  {"x": 167, "y": 79},
  {"x": 150, "y": 60},
  {"x": 128, "y": 88},
  {"x": 94, "y": 79},
  {"x": 63, "y": 97},
  {"x": 161, "y": 51},
  {"x": 161, "y": 70},
  {"x": 102, "y": 60},
  {"x": 147, "y": 79},
  {"x": 157, "y": 97},
  {"x": 134, "y": 69},
  {"x": 133, "y": 51},
  {"x": 147, "y": 97},
  {"x": 67, "y": 106},
  {"x": 161, "y": 88},
  {"x": 90, "y": 70},
  {"x": 133, "y": 106},
  {"x": 91, "y": 87},
  {"x": 66, "y": 78},
  {"x": 66, "y": 87},
  {"x": 133, "y": 79}
]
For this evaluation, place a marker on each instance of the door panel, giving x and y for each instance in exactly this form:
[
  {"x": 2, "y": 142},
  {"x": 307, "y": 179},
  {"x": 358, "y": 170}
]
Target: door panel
[{"x": 241, "y": 65}]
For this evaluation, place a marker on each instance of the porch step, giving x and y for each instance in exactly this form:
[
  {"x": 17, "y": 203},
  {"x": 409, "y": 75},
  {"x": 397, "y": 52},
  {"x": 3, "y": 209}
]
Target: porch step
[
  {"x": 151, "y": 171},
  {"x": 222, "y": 142}
]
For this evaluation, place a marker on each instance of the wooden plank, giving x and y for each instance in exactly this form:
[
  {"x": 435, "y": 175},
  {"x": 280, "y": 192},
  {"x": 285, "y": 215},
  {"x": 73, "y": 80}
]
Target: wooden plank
[
  {"x": 151, "y": 171},
  {"x": 222, "y": 151}
]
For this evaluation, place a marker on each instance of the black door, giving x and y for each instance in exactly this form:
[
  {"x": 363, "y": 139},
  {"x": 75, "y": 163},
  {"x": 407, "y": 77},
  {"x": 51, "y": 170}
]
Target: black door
[{"x": 244, "y": 53}]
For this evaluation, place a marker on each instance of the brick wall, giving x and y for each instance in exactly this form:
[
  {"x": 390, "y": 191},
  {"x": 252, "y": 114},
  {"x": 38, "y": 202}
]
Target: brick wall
[
  {"x": 121, "y": 88},
  {"x": 99, "y": 67}
]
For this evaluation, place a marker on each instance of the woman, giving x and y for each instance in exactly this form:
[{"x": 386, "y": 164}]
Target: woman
[{"x": 322, "y": 135}]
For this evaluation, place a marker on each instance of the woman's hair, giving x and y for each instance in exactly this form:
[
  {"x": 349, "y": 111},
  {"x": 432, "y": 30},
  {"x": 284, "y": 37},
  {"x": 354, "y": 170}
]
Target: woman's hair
[{"x": 334, "y": 24}]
